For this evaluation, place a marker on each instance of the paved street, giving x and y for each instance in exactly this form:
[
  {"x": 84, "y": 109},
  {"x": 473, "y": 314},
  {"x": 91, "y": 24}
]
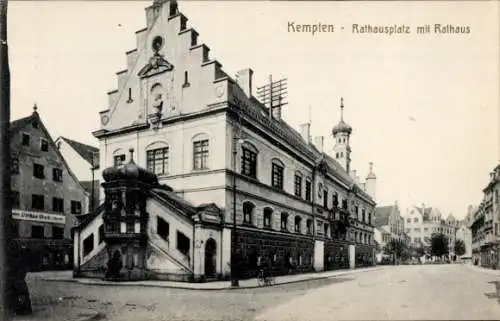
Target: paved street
[{"x": 397, "y": 293}]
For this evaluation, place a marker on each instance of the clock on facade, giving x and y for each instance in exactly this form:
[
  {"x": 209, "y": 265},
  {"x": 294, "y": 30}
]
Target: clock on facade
[
  {"x": 104, "y": 119},
  {"x": 157, "y": 43}
]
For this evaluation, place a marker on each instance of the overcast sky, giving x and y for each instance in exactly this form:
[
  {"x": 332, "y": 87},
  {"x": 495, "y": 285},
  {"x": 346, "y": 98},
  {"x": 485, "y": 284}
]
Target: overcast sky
[{"x": 424, "y": 108}]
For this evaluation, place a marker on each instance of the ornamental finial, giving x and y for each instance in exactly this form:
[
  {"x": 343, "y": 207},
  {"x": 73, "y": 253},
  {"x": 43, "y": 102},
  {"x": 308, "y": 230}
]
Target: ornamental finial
[
  {"x": 341, "y": 108},
  {"x": 35, "y": 108},
  {"x": 131, "y": 150}
]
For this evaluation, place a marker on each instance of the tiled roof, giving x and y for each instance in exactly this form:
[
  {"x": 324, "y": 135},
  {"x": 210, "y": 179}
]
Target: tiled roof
[
  {"x": 172, "y": 199},
  {"x": 258, "y": 112},
  {"x": 89, "y": 153},
  {"x": 382, "y": 214},
  {"x": 20, "y": 123},
  {"x": 426, "y": 213}
]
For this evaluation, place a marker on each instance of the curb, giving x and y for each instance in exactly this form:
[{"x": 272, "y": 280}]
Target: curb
[
  {"x": 84, "y": 282},
  {"x": 89, "y": 316},
  {"x": 484, "y": 270}
]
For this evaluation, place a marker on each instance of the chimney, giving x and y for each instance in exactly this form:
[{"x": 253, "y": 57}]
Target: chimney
[
  {"x": 319, "y": 142},
  {"x": 276, "y": 112},
  {"x": 305, "y": 132},
  {"x": 244, "y": 80}
]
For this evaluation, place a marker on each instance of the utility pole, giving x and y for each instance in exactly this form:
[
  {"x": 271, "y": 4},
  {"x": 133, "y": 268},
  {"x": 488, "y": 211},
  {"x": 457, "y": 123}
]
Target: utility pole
[{"x": 13, "y": 289}]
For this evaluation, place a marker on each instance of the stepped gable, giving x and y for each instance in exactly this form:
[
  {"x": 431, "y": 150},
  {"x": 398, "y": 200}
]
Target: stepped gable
[{"x": 168, "y": 65}]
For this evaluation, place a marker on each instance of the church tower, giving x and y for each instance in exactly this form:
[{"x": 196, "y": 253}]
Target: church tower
[
  {"x": 370, "y": 182},
  {"x": 341, "y": 134}
]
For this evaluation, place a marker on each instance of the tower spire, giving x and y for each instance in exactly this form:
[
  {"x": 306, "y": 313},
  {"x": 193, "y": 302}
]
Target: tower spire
[{"x": 341, "y": 108}]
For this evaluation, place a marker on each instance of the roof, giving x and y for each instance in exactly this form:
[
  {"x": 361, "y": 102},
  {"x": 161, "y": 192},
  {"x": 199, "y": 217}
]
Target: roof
[
  {"x": 426, "y": 213},
  {"x": 382, "y": 230},
  {"x": 21, "y": 122},
  {"x": 451, "y": 217},
  {"x": 87, "y": 152},
  {"x": 258, "y": 112},
  {"x": 382, "y": 214}
]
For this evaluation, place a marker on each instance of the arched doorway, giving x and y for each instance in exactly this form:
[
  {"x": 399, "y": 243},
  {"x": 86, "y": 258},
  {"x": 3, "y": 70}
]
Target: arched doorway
[{"x": 210, "y": 258}]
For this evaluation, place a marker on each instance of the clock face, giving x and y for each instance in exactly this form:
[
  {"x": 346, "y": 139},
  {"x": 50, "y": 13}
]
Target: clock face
[
  {"x": 104, "y": 119},
  {"x": 157, "y": 43}
]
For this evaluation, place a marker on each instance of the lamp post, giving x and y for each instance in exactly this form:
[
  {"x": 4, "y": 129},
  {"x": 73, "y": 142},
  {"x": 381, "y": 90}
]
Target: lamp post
[{"x": 235, "y": 255}]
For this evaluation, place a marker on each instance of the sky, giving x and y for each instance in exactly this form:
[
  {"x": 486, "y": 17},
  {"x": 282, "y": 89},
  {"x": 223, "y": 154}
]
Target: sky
[{"x": 424, "y": 107}]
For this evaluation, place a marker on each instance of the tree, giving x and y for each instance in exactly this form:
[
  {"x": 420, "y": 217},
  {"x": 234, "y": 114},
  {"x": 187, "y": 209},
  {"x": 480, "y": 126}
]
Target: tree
[
  {"x": 418, "y": 250},
  {"x": 439, "y": 244},
  {"x": 459, "y": 247},
  {"x": 398, "y": 249}
]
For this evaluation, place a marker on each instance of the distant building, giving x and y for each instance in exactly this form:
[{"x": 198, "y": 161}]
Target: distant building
[
  {"x": 485, "y": 224},
  {"x": 83, "y": 160},
  {"x": 220, "y": 157},
  {"x": 46, "y": 196},
  {"x": 389, "y": 225},
  {"x": 464, "y": 232},
  {"x": 422, "y": 222}
]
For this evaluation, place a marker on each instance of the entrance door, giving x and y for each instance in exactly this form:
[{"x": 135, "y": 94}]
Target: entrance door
[{"x": 210, "y": 258}]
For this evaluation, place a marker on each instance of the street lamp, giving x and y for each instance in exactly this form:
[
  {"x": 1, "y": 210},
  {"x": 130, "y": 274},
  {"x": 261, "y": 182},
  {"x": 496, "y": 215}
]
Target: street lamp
[{"x": 235, "y": 256}]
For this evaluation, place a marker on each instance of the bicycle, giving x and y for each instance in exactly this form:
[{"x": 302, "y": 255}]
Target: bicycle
[{"x": 264, "y": 279}]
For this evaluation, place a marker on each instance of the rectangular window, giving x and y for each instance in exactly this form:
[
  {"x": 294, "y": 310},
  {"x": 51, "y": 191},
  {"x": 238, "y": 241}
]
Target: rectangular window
[
  {"x": 183, "y": 243},
  {"x": 38, "y": 171},
  {"x": 308, "y": 190},
  {"x": 118, "y": 160},
  {"x": 101, "y": 233},
  {"x": 162, "y": 228},
  {"x": 284, "y": 222},
  {"x": 76, "y": 207},
  {"x": 320, "y": 227},
  {"x": 37, "y": 232},
  {"x": 14, "y": 165},
  {"x": 57, "y": 233},
  {"x": 15, "y": 199},
  {"x": 26, "y": 139},
  {"x": 38, "y": 202},
  {"x": 112, "y": 227},
  {"x": 309, "y": 227},
  {"x": 298, "y": 185},
  {"x": 130, "y": 227},
  {"x": 157, "y": 160},
  {"x": 88, "y": 244},
  {"x": 57, "y": 174},
  {"x": 325, "y": 199},
  {"x": 496, "y": 228},
  {"x": 249, "y": 163},
  {"x": 200, "y": 154},
  {"x": 57, "y": 204},
  {"x": 277, "y": 176},
  {"x": 44, "y": 145}
]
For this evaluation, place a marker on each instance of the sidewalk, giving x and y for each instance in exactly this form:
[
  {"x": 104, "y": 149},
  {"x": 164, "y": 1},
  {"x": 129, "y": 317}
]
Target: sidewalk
[
  {"x": 60, "y": 313},
  {"x": 66, "y": 276},
  {"x": 484, "y": 270}
]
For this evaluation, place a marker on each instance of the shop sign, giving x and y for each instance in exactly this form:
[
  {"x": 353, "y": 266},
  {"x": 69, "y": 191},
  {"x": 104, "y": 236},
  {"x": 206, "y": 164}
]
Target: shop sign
[{"x": 38, "y": 217}]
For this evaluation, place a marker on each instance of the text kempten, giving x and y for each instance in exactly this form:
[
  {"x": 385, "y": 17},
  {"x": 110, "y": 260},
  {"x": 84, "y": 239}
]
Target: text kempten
[{"x": 310, "y": 28}]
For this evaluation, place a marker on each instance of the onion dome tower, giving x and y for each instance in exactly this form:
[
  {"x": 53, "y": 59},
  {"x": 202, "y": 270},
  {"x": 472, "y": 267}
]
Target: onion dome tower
[
  {"x": 125, "y": 219},
  {"x": 341, "y": 134}
]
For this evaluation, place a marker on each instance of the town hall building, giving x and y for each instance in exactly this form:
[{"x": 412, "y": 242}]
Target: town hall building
[{"x": 196, "y": 169}]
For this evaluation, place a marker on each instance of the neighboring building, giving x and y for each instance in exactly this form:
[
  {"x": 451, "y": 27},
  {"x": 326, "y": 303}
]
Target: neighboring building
[
  {"x": 208, "y": 140},
  {"x": 389, "y": 225},
  {"x": 422, "y": 222},
  {"x": 485, "y": 224},
  {"x": 464, "y": 233},
  {"x": 83, "y": 160},
  {"x": 46, "y": 195}
]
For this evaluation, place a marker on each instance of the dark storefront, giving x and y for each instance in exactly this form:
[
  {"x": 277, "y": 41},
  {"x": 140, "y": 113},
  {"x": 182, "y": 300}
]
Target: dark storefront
[
  {"x": 336, "y": 255},
  {"x": 40, "y": 255},
  {"x": 287, "y": 253}
]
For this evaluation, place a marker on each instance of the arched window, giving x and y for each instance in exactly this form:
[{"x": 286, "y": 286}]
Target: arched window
[
  {"x": 268, "y": 217},
  {"x": 201, "y": 152},
  {"x": 363, "y": 214},
  {"x": 298, "y": 224},
  {"x": 157, "y": 158},
  {"x": 277, "y": 173},
  {"x": 284, "y": 221},
  {"x": 309, "y": 226},
  {"x": 370, "y": 218},
  {"x": 249, "y": 160},
  {"x": 248, "y": 209},
  {"x": 356, "y": 237},
  {"x": 298, "y": 184}
]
